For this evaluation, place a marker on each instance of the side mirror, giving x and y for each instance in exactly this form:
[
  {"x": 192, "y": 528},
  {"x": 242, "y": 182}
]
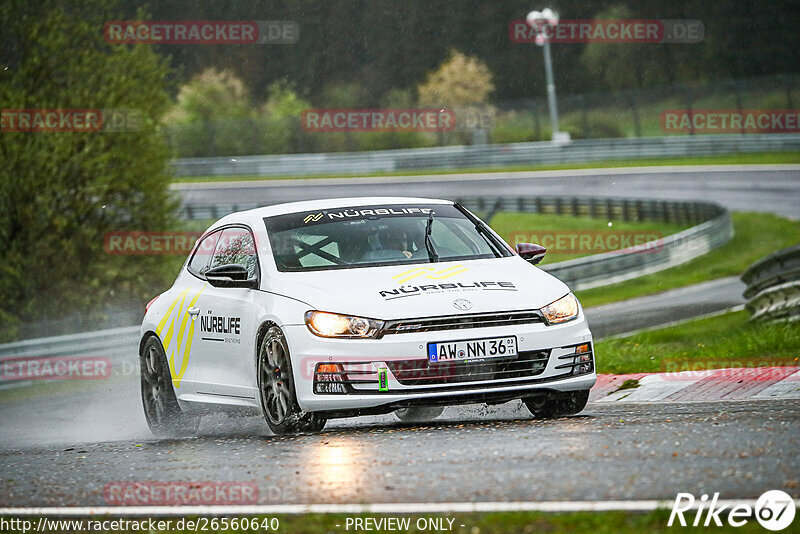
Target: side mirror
[
  {"x": 231, "y": 275},
  {"x": 530, "y": 252}
]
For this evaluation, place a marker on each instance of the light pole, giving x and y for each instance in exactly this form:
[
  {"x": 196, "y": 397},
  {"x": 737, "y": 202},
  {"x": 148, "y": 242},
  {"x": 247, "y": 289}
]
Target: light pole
[{"x": 539, "y": 20}]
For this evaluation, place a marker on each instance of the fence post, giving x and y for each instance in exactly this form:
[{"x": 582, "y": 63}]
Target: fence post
[
  {"x": 687, "y": 93},
  {"x": 637, "y": 124},
  {"x": 787, "y": 86},
  {"x": 537, "y": 126},
  {"x": 737, "y": 93},
  {"x": 587, "y": 133}
]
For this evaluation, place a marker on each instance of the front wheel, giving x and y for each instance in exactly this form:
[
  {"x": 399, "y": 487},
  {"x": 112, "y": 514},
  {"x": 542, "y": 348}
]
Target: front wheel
[
  {"x": 569, "y": 403},
  {"x": 161, "y": 410},
  {"x": 418, "y": 414},
  {"x": 277, "y": 391}
]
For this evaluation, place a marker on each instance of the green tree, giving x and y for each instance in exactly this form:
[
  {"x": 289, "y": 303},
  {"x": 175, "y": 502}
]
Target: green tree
[
  {"x": 461, "y": 80},
  {"x": 61, "y": 193},
  {"x": 280, "y": 118},
  {"x": 213, "y": 116},
  {"x": 623, "y": 65}
]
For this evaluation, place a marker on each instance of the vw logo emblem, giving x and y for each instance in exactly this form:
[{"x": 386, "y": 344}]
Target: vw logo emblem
[{"x": 462, "y": 304}]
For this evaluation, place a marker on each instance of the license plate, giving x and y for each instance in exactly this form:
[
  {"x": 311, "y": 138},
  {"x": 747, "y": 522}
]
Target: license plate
[{"x": 472, "y": 350}]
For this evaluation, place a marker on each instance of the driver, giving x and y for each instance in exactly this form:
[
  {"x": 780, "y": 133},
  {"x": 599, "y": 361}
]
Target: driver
[{"x": 397, "y": 239}]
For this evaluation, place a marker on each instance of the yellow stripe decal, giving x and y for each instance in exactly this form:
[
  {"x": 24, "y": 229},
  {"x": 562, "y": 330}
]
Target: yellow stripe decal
[{"x": 178, "y": 376}]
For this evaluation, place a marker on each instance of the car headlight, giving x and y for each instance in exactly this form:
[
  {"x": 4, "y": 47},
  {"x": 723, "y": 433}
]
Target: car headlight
[
  {"x": 562, "y": 310},
  {"x": 328, "y": 324}
]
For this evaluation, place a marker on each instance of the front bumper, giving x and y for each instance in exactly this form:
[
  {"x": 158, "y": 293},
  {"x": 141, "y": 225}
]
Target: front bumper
[{"x": 396, "y": 352}]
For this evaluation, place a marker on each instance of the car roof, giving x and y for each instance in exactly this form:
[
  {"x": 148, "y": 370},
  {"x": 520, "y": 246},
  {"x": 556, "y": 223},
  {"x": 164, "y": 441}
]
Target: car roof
[{"x": 312, "y": 205}]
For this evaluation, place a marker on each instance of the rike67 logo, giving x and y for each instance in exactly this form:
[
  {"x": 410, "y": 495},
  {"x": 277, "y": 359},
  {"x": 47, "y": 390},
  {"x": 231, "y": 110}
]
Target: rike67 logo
[{"x": 774, "y": 510}]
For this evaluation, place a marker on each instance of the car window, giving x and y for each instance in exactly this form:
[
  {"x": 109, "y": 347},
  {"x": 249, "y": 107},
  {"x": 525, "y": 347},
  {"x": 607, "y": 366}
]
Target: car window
[
  {"x": 202, "y": 254},
  {"x": 236, "y": 246},
  {"x": 456, "y": 237},
  {"x": 373, "y": 235}
]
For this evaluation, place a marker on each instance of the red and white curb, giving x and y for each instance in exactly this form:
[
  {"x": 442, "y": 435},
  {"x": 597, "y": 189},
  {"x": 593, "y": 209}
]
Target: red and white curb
[{"x": 748, "y": 383}]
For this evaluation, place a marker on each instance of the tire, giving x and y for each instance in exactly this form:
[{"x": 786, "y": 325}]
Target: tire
[
  {"x": 161, "y": 410},
  {"x": 417, "y": 414},
  {"x": 276, "y": 389},
  {"x": 569, "y": 403}
]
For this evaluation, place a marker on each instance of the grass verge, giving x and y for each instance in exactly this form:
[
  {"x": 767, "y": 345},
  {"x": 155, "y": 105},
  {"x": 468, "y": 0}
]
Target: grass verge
[
  {"x": 757, "y": 234},
  {"x": 727, "y": 340},
  {"x": 726, "y": 159}
]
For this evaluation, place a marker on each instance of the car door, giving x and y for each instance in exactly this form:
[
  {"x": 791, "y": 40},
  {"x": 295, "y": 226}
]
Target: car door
[
  {"x": 226, "y": 323},
  {"x": 178, "y": 326}
]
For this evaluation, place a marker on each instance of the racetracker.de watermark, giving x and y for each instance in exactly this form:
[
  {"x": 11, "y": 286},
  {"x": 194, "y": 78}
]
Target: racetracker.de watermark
[
  {"x": 378, "y": 120},
  {"x": 151, "y": 243},
  {"x": 83, "y": 120},
  {"x": 202, "y": 32},
  {"x": 180, "y": 493},
  {"x": 591, "y": 241},
  {"x": 752, "y": 370},
  {"x": 55, "y": 368},
  {"x": 608, "y": 31},
  {"x": 718, "y": 121}
]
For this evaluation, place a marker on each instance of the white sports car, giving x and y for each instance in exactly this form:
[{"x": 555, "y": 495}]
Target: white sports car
[{"x": 335, "y": 308}]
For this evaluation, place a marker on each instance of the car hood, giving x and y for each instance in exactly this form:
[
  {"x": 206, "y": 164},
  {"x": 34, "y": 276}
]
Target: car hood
[{"x": 424, "y": 290}]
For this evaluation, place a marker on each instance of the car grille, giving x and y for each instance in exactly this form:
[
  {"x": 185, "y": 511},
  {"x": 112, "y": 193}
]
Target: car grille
[
  {"x": 458, "y": 322},
  {"x": 423, "y": 373}
]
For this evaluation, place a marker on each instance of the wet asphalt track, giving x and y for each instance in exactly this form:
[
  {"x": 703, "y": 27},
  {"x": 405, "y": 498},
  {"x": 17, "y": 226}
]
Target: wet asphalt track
[
  {"x": 474, "y": 454},
  {"x": 61, "y": 444},
  {"x": 773, "y": 189}
]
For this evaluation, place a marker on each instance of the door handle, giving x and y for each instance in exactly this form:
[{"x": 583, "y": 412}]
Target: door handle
[{"x": 193, "y": 311}]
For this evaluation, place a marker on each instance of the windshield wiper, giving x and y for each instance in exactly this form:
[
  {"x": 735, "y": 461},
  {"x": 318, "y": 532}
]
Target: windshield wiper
[
  {"x": 497, "y": 248},
  {"x": 432, "y": 255}
]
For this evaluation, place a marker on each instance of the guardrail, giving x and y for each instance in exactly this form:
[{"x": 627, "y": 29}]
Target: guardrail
[
  {"x": 96, "y": 343},
  {"x": 713, "y": 228},
  {"x": 458, "y": 157},
  {"x": 773, "y": 286}
]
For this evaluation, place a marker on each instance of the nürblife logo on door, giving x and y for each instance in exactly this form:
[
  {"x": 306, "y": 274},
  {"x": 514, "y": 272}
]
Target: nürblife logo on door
[{"x": 222, "y": 329}]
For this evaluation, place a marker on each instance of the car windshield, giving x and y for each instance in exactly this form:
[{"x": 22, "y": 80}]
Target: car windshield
[{"x": 364, "y": 236}]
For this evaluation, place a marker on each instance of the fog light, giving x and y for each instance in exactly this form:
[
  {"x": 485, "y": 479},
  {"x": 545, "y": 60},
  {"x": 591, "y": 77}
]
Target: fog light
[
  {"x": 583, "y": 360},
  {"x": 328, "y": 379}
]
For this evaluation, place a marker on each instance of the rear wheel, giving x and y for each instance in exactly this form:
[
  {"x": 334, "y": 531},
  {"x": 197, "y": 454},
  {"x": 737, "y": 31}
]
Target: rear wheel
[
  {"x": 277, "y": 391},
  {"x": 417, "y": 414},
  {"x": 569, "y": 403},
  {"x": 161, "y": 410}
]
